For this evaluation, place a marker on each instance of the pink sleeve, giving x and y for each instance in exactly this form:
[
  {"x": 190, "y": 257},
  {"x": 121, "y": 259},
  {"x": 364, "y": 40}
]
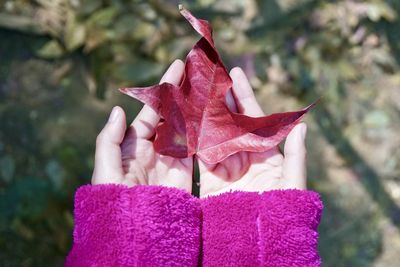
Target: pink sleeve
[
  {"x": 275, "y": 228},
  {"x": 138, "y": 226}
]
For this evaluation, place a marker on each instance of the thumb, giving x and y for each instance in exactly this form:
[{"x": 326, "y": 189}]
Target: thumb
[
  {"x": 108, "y": 162},
  {"x": 294, "y": 170}
]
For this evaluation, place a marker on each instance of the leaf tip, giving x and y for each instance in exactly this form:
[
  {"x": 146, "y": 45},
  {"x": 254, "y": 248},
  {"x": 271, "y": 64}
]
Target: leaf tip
[{"x": 312, "y": 105}]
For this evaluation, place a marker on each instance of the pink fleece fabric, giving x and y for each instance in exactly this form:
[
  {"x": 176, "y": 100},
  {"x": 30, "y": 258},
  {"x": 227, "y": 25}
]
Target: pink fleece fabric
[
  {"x": 277, "y": 228},
  {"x": 139, "y": 226},
  {"x": 159, "y": 226}
]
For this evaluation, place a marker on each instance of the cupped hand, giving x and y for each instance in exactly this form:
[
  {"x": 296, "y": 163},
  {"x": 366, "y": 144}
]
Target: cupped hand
[
  {"x": 255, "y": 171},
  {"x": 126, "y": 156}
]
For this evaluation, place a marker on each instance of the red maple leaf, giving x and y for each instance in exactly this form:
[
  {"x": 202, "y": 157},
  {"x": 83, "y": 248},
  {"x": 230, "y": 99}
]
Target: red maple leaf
[{"x": 195, "y": 116}]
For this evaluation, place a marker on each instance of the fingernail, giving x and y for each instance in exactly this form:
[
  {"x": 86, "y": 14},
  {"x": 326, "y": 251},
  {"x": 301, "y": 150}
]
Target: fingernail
[
  {"x": 303, "y": 131},
  {"x": 113, "y": 115}
]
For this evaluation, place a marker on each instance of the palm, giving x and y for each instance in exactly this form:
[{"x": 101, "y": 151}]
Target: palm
[
  {"x": 128, "y": 157},
  {"x": 142, "y": 165},
  {"x": 251, "y": 171},
  {"x": 245, "y": 171}
]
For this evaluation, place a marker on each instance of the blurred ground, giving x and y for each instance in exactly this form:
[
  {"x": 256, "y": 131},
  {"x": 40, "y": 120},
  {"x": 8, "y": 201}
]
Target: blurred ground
[{"x": 61, "y": 62}]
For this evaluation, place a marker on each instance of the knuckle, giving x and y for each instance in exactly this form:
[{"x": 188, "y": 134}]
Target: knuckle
[
  {"x": 303, "y": 151},
  {"x": 100, "y": 138}
]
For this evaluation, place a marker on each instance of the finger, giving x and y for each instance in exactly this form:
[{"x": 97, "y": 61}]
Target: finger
[
  {"x": 147, "y": 119},
  {"x": 174, "y": 73},
  {"x": 108, "y": 163},
  {"x": 230, "y": 101},
  {"x": 243, "y": 93},
  {"x": 294, "y": 163}
]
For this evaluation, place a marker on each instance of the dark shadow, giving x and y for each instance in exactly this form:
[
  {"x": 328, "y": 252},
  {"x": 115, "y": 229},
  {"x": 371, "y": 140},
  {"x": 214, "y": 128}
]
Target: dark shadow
[
  {"x": 391, "y": 30},
  {"x": 196, "y": 179}
]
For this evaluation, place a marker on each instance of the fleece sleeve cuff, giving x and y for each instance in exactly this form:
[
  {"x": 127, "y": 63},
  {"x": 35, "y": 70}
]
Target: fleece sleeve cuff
[
  {"x": 138, "y": 226},
  {"x": 274, "y": 228}
]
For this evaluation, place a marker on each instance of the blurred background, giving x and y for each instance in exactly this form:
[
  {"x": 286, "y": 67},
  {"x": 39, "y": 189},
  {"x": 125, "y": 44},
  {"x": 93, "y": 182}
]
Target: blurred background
[{"x": 61, "y": 62}]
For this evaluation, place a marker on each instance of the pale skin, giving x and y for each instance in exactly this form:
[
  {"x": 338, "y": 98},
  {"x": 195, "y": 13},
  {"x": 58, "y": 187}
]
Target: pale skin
[{"x": 126, "y": 156}]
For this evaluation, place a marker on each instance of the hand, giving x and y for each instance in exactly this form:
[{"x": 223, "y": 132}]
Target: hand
[
  {"x": 128, "y": 157},
  {"x": 252, "y": 171}
]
